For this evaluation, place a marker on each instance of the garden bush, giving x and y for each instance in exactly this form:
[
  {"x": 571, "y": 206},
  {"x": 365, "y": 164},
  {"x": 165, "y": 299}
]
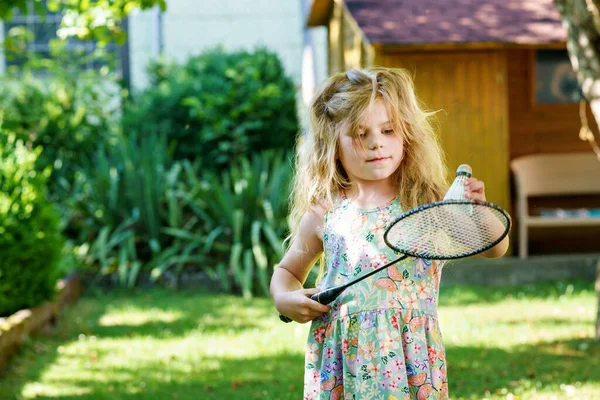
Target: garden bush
[
  {"x": 65, "y": 112},
  {"x": 30, "y": 239},
  {"x": 219, "y": 105}
]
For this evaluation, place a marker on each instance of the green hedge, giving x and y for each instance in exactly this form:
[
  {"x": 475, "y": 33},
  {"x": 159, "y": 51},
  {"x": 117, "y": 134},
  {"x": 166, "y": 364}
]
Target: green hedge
[{"x": 30, "y": 240}]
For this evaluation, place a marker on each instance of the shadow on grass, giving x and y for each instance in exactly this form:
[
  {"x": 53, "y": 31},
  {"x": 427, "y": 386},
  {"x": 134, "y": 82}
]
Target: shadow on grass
[
  {"x": 453, "y": 295},
  {"x": 157, "y": 314},
  {"x": 160, "y": 313},
  {"x": 186, "y": 311},
  {"x": 474, "y": 371},
  {"x": 570, "y": 320},
  {"x": 278, "y": 377}
]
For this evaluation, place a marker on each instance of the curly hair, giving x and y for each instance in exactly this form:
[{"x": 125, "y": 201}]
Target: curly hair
[{"x": 338, "y": 108}]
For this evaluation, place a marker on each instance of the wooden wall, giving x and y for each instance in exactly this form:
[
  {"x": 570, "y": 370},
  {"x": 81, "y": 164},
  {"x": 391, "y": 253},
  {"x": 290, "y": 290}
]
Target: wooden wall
[
  {"x": 538, "y": 128},
  {"x": 469, "y": 90},
  {"x": 348, "y": 47}
]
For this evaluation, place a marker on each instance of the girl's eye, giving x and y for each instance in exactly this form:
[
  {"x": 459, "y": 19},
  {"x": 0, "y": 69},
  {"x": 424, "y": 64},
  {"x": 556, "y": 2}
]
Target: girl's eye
[{"x": 388, "y": 131}]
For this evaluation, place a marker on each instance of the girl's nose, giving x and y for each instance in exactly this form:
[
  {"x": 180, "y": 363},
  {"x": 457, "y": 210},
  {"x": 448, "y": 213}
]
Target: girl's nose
[{"x": 375, "y": 144}]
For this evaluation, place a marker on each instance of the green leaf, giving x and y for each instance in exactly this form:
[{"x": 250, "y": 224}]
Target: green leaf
[
  {"x": 222, "y": 272},
  {"x": 273, "y": 238},
  {"x": 238, "y": 223},
  {"x": 260, "y": 257},
  {"x": 123, "y": 267},
  {"x": 212, "y": 236},
  {"x": 235, "y": 262},
  {"x": 248, "y": 275},
  {"x": 135, "y": 268}
]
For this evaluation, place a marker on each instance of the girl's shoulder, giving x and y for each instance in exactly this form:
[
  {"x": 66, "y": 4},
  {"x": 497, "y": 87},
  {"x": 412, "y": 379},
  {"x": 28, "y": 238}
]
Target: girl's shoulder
[
  {"x": 326, "y": 206},
  {"x": 319, "y": 209},
  {"x": 314, "y": 219}
]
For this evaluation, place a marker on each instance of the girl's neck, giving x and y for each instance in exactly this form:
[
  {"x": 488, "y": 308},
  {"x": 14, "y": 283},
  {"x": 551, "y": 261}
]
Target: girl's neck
[{"x": 368, "y": 196}]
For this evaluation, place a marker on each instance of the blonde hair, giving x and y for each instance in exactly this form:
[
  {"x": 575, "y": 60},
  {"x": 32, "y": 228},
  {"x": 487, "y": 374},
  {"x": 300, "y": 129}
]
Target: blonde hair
[{"x": 338, "y": 108}]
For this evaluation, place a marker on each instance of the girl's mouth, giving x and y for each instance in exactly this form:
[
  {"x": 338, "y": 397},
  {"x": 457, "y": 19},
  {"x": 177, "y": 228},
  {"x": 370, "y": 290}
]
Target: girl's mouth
[{"x": 378, "y": 159}]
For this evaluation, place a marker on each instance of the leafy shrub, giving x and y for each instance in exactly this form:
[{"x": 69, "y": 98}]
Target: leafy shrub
[
  {"x": 243, "y": 214},
  {"x": 118, "y": 203},
  {"x": 123, "y": 179},
  {"x": 30, "y": 241},
  {"x": 219, "y": 105},
  {"x": 67, "y": 114},
  {"x": 164, "y": 218}
]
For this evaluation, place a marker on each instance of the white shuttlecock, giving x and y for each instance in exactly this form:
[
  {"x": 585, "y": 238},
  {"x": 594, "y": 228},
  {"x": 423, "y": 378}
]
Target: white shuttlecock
[{"x": 457, "y": 189}]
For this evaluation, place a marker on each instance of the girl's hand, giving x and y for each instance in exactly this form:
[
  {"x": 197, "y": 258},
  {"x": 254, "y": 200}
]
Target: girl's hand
[
  {"x": 298, "y": 305},
  {"x": 475, "y": 189}
]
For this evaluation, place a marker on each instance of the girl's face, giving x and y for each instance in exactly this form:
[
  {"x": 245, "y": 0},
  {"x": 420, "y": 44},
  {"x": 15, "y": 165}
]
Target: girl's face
[{"x": 382, "y": 149}]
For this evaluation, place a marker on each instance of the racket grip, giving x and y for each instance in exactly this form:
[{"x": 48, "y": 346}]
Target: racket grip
[
  {"x": 324, "y": 297},
  {"x": 284, "y": 319},
  {"x": 327, "y": 296}
]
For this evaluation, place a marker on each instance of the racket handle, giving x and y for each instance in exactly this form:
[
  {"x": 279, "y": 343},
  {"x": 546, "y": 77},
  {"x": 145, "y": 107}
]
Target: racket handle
[
  {"x": 324, "y": 297},
  {"x": 284, "y": 319},
  {"x": 329, "y": 295}
]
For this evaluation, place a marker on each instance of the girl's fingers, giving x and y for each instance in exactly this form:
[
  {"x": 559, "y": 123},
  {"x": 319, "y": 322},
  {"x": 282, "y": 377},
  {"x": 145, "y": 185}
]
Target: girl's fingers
[
  {"x": 318, "y": 307},
  {"x": 315, "y": 305},
  {"x": 475, "y": 189},
  {"x": 310, "y": 292},
  {"x": 478, "y": 187},
  {"x": 474, "y": 185}
]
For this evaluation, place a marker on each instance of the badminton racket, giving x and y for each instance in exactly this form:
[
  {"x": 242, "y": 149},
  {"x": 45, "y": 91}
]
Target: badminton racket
[{"x": 443, "y": 230}]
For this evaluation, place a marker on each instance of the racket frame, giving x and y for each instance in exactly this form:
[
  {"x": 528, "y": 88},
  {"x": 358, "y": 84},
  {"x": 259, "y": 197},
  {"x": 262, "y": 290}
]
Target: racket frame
[{"x": 441, "y": 203}]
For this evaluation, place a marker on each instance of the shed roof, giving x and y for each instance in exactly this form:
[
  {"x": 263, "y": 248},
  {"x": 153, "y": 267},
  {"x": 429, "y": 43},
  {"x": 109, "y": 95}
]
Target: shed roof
[{"x": 451, "y": 21}]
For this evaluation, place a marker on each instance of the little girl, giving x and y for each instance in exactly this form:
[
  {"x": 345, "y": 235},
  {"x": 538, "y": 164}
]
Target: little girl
[{"x": 370, "y": 154}]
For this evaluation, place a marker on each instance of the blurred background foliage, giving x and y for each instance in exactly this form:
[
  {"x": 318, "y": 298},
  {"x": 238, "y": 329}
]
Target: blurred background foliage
[
  {"x": 217, "y": 104},
  {"x": 30, "y": 239},
  {"x": 188, "y": 177},
  {"x": 81, "y": 17}
]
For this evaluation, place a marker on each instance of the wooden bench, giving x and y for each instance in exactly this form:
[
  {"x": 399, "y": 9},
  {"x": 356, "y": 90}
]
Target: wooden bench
[{"x": 543, "y": 175}]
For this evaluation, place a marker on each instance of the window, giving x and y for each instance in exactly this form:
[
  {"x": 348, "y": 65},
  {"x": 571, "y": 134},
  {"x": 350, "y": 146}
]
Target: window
[
  {"x": 44, "y": 29},
  {"x": 555, "y": 80}
]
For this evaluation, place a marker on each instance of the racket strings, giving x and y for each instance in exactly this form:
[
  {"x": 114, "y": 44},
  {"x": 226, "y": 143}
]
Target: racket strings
[{"x": 448, "y": 230}]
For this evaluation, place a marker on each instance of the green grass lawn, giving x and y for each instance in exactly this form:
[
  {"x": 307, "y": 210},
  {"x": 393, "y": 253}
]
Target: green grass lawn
[{"x": 532, "y": 342}]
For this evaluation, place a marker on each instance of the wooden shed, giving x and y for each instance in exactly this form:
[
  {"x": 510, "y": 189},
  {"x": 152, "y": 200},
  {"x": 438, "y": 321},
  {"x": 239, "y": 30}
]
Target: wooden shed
[{"x": 497, "y": 70}]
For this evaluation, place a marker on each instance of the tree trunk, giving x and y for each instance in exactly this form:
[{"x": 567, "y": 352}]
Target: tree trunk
[{"x": 582, "y": 20}]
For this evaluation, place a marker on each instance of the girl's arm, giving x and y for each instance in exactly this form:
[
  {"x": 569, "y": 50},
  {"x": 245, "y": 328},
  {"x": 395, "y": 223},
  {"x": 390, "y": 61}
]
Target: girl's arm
[
  {"x": 291, "y": 299},
  {"x": 475, "y": 190}
]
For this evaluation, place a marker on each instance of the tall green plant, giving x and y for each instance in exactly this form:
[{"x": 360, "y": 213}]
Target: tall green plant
[
  {"x": 119, "y": 203},
  {"x": 243, "y": 212},
  {"x": 139, "y": 212},
  {"x": 123, "y": 179}
]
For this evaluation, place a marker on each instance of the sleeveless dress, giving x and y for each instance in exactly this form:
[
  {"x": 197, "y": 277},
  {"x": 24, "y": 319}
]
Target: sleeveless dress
[{"x": 381, "y": 339}]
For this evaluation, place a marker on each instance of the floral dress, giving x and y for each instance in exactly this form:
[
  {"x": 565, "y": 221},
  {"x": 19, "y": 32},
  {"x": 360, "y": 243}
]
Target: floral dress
[{"x": 381, "y": 339}]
